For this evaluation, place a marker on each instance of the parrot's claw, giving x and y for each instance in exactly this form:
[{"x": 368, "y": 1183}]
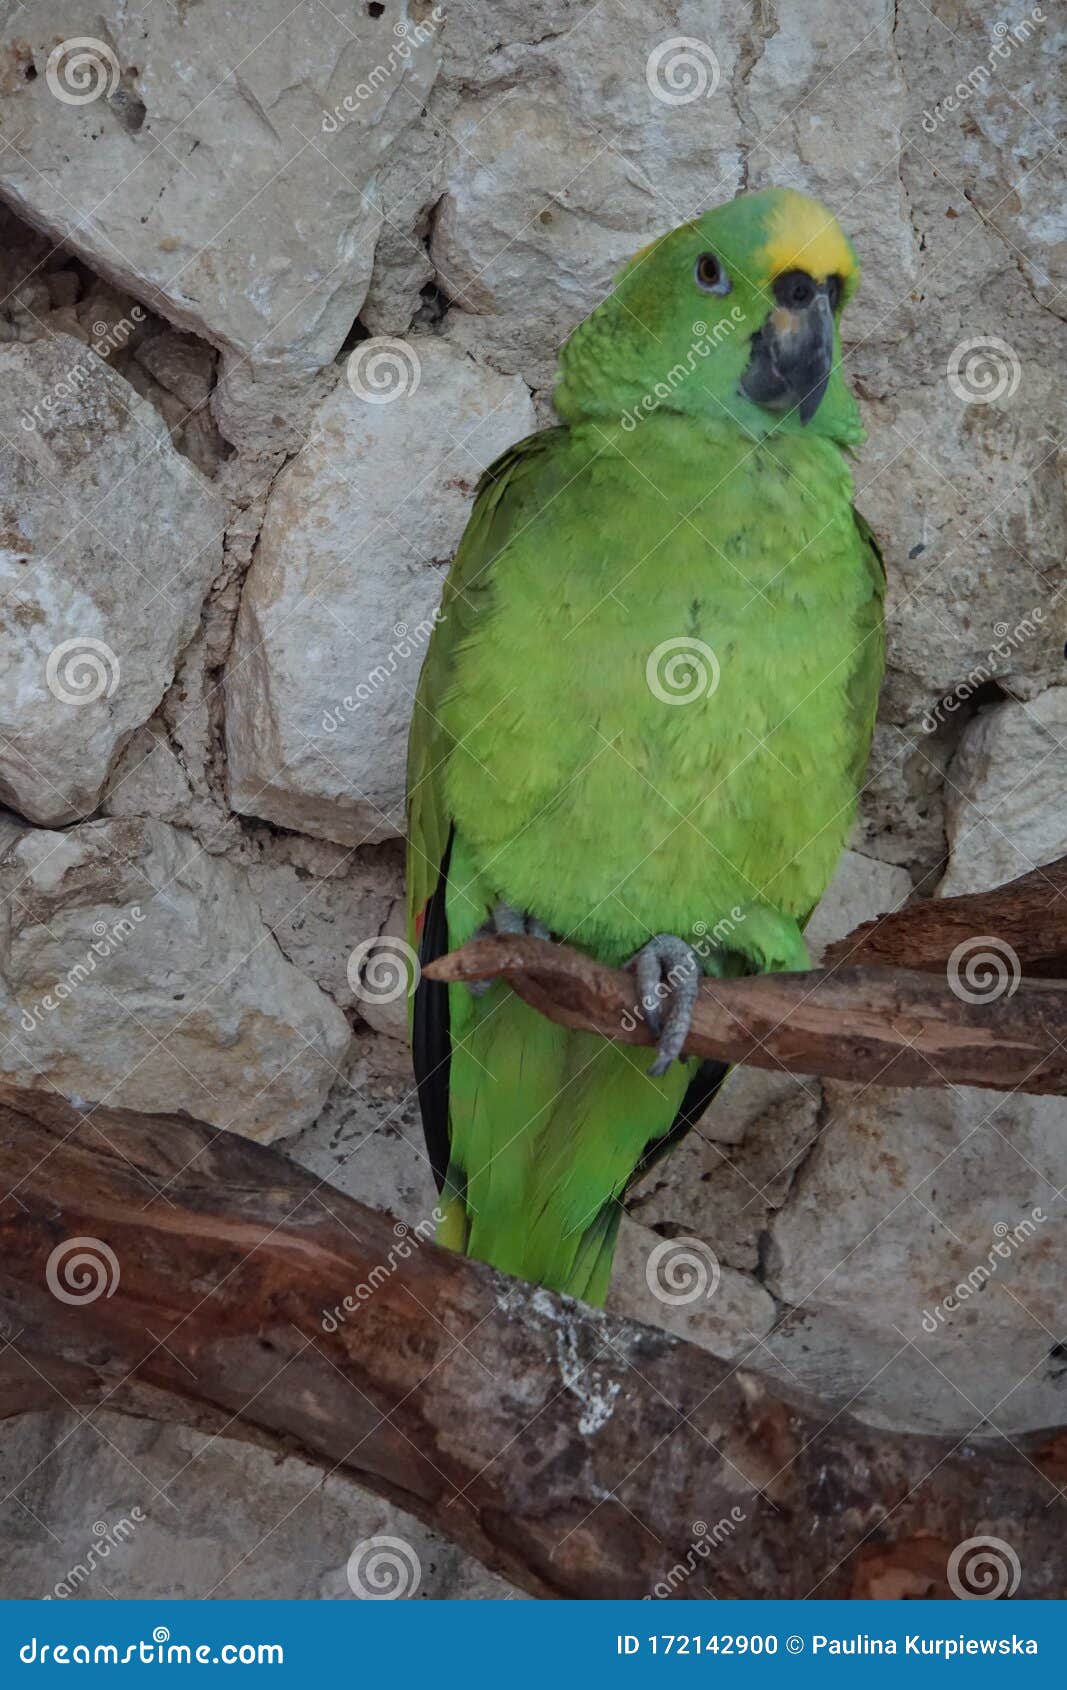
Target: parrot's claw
[
  {"x": 668, "y": 979},
  {"x": 505, "y": 919}
]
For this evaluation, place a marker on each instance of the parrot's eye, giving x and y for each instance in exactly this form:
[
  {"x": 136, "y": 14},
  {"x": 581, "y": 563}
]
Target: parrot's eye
[
  {"x": 833, "y": 292},
  {"x": 710, "y": 275},
  {"x": 795, "y": 289}
]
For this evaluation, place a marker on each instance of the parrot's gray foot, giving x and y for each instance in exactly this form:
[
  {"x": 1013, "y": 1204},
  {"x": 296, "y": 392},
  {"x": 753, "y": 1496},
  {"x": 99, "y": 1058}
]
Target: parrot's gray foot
[
  {"x": 505, "y": 919},
  {"x": 668, "y": 979}
]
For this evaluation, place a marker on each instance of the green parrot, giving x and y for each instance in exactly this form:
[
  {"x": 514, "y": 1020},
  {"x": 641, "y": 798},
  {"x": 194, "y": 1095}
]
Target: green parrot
[{"x": 643, "y": 718}]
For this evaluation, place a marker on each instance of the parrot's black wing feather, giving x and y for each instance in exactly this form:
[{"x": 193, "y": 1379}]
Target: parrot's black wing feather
[
  {"x": 698, "y": 1094},
  {"x": 431, "y": 1039}
]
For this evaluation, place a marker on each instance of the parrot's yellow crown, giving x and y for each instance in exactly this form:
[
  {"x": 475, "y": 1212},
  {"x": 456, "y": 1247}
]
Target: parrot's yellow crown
[{"x": 803, "y": 235}]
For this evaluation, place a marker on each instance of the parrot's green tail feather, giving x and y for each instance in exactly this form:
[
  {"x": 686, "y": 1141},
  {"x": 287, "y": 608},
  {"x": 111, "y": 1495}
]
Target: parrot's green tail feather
[{"x": 547, "y": 1127}]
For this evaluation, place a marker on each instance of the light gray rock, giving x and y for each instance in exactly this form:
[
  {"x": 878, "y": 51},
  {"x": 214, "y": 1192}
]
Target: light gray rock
[
  {"x": 246, "y": 149},
  {"x": 1004, "y": 795},
  {"x": 861, "y": 889},
  {"x": 136, "y": 970},
  {"x": 961, "y": 477},
  {"x": 319, "y": 917},
  {"x": 975, "y": 558},
  {"x": 109, "y": 543},
  {"x": 985, "y": 100},
  {"x": 125, "y": 1509},
  {"x": 827, "y": 134},
  {"x": 680, "y": 1284},
  {"x": 563, "y": 160},
  {"x": 340, "y": 601},
  {"x": 906, "y": 1197},
  {"x": 368, "y": 1139}
]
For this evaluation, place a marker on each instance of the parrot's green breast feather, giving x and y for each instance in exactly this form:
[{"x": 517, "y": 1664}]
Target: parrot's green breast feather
[{"x": 663, "y": 702}]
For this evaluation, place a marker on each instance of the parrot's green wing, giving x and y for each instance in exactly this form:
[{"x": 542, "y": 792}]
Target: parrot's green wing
[
  {"x": 497, "y": 512},
  {"x": 486, "y": 1141}
]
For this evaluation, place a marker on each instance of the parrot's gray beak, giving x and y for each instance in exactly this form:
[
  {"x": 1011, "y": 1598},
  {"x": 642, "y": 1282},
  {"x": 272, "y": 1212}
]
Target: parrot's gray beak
[{"x": 793, "y": 354}]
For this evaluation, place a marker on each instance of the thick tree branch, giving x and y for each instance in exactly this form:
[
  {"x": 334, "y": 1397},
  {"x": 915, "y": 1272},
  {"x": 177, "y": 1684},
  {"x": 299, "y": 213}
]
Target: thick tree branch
[
  {"x": 895, "y": 1026},
  {"x": 1028, "y": 914},
  {"x": 578, "y": 1454}
]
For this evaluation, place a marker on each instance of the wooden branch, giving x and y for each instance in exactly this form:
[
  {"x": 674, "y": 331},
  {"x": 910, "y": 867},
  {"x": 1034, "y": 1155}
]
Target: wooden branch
[
  {"x": 577, "y": 1454},
  {"x": 1028, "y": 914},
  {"x": 894, "y": 1026}
]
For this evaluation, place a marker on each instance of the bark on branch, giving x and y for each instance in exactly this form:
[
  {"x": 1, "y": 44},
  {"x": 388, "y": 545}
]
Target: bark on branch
[
  {"x": 1028, "y": 914},
  {"x": 899, "y": 1027},
  {"x": 578, "y": 1454}
]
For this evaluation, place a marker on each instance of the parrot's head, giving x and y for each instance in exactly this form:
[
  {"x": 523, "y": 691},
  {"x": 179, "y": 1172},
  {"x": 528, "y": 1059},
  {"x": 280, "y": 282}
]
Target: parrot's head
[{"x": 734, "y": 314}]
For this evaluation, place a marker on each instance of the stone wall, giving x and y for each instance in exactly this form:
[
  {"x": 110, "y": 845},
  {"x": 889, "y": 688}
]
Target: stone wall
[{"x": 276, "y": 284}]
